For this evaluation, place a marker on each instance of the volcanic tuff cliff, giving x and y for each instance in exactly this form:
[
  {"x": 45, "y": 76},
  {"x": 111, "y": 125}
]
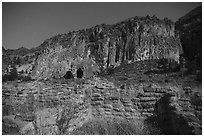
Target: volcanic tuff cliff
[
  {"x": 190, "y": 31},
  {"x": 144, "y": 93},
  {"x": 95, "y": 49}
]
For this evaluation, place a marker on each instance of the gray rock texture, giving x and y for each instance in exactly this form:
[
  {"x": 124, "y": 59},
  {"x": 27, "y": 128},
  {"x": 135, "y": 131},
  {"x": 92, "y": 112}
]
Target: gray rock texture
[{"x": 96, "y": 49}]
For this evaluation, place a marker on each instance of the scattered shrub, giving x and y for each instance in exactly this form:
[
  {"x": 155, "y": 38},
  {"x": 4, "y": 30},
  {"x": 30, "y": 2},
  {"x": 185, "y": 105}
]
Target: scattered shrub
[
  {"x": 168, "y": 65},
  {"x": 7, "y": 110},
  {"x": 174, "y": 66},
  {"x": 9, "y": 128},
  {"x": 13, "y": 75},
  {"x": 110, "y": 70},
  {"x": 196, "y": 99},
  {"x": 27, "y": 78},
  {"x": 64, "y": 117},
  {"x": 24, "y": 78},
  {"x": 114, "y": 127}
]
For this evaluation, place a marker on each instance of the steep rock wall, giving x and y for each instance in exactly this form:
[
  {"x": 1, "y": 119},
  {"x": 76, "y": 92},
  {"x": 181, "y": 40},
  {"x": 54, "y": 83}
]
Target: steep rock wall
[
  {"x": 95, "y": 49},
  {"x": 190, "y": 29}
]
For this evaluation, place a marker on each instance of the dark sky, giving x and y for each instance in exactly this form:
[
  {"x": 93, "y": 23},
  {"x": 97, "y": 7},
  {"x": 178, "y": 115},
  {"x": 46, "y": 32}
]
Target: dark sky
[{"x": 29, "y": 24}]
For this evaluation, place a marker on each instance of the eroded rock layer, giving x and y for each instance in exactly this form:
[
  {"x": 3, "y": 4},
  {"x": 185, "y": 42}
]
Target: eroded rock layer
[
  {"x": 38, "y": 105},
  {"x": 95, "y": 49},
  {"x": 129, "y": 94}
]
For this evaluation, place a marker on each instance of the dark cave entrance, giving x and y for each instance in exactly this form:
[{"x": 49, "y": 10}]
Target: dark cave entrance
[
  {"x": 79, "y": 73},
  {"x": 68, "y": 75}
]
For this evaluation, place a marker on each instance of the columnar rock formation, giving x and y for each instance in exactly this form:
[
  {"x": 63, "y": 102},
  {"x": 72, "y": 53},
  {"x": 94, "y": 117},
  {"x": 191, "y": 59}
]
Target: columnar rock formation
[{"x": 95, "y": 49}]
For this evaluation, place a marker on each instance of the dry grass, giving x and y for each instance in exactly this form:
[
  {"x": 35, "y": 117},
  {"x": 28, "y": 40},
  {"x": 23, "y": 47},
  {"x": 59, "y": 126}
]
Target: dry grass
[
  {"x": 65, "y": 116},
  {"x": 115, "y": 127}
]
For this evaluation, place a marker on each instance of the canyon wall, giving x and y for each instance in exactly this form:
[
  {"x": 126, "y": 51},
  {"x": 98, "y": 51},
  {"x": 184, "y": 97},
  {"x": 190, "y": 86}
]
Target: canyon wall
[
  {"x": 103, "y": 46},
  {"x": 190, "y": 31}
]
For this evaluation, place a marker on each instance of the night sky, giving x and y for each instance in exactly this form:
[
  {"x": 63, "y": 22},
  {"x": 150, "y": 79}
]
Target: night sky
[{"x": 29, "y": 24}]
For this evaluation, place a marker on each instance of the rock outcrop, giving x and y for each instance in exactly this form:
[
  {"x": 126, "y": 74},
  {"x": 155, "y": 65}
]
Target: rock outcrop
[
  {"x": 39, "y": 103},
  {"x": 128, "y": 94},
  {"x": 21, "y": 59},
  {"x": 190, "y": 29},
  {"x": 96, "y": 49}
]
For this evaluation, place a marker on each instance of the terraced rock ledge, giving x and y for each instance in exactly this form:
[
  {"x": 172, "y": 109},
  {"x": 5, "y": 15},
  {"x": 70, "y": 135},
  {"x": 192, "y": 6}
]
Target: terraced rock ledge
[{"x": 75, "y": 106}]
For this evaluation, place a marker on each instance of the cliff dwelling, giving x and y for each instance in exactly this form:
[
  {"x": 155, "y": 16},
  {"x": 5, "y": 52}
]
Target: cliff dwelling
[
  {"x": 79, "y": 73},
  {"x": 68, "y": 75}
]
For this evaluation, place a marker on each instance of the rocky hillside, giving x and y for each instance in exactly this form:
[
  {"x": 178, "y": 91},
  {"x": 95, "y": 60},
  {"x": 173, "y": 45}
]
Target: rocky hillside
[
  {"x": 22, "y": 59},
  {"x": 137, "y": 85},
  {"x": 190, "y": 28},
  {"x": 95, "y": 49},
  {"x": 153, "y": 102}
]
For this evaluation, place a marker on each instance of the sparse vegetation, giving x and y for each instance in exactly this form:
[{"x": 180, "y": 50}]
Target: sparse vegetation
[
  {"x": 64, "y": 117},
  {"x": 12, "y": 75},
  {"x": 110, "y": 70},
  {"x": 116, "y": 126},
  {"x": 25, "y": 78},
  {"x": 134, "y": 98}
]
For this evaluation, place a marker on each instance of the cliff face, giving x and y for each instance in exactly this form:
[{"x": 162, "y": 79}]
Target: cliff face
[
  {"x": 190, "y": 28},
  {"x": 95, "y": 49}
]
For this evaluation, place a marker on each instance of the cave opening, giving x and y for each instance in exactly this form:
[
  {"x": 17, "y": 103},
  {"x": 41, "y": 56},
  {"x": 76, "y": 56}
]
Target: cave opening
[
  {"x": 68, "y": 75},
  {"x": 79, "y": 73}
]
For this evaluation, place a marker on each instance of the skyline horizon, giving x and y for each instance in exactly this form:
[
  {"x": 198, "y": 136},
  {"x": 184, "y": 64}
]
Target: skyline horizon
[
  {"x": 73, "y": 27},
  {"x": 79, "y": 30}
]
